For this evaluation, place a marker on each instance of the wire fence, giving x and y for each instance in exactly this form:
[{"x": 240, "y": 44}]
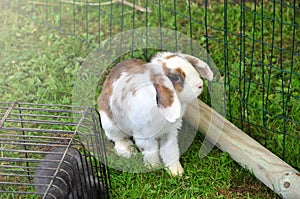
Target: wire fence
[{"x": 254, "y": 43}]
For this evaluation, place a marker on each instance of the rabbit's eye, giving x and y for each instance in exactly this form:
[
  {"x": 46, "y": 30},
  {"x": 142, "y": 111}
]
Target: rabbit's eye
[{"x": 175, "y": 78}]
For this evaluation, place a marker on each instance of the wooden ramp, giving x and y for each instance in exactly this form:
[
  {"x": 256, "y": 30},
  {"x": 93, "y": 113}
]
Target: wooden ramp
[{"x": 267, "y": 167}]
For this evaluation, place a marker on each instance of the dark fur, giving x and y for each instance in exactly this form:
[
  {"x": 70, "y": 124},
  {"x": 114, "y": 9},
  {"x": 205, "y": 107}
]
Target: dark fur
[{"x": 74, "y": 180}]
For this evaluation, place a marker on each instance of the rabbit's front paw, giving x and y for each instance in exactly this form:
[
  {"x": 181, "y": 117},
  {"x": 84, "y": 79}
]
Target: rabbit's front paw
[
  {"x": 176, "y": 169},
  {"x": 124, "y": 148}
]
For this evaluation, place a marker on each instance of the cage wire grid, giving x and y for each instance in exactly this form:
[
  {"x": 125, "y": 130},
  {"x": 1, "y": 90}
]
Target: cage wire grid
[
  {"x": 71, "y": 139},
  {"x": 254, "y": 43}
]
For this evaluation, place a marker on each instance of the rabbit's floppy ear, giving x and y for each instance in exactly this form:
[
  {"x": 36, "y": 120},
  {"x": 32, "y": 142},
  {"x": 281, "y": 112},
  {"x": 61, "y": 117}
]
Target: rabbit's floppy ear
[
  {"x": 201, "y": 66},
  {"x": 166, "y": 99}
]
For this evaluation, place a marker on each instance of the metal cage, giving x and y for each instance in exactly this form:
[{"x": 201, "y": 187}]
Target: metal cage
[{"x": 51, "y": 151}]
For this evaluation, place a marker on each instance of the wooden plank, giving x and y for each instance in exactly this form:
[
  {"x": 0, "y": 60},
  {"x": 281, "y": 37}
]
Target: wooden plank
[{"x": 267, "y": 167}]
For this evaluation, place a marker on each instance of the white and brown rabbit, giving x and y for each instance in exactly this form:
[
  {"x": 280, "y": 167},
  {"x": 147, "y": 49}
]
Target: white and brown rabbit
[{"x": 146, "y": 101}]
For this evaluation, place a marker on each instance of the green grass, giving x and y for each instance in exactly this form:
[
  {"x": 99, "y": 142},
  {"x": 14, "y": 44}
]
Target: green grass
[
  {"x": 39, "y": 65},
  {"x": 215, "y": 176}
]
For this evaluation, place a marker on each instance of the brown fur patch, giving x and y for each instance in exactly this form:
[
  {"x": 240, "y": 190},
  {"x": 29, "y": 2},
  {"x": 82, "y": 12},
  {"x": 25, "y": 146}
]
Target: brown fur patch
[
  {"x": 178, "y": 87},
  {"x": 132, "y": 66},
  {"x": 170, "y": 56},
  {"x": 180, "y": 71},
  {"x": 165, "y": 97},
  {"x": 193, "y": 60}
]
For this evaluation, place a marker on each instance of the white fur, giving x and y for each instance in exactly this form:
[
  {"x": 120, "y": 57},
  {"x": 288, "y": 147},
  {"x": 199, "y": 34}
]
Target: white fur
[{"x": 136, "y": 113}]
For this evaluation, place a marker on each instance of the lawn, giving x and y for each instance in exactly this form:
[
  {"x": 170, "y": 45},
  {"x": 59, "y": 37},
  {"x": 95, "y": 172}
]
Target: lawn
[{"x": 42, "y": 50}]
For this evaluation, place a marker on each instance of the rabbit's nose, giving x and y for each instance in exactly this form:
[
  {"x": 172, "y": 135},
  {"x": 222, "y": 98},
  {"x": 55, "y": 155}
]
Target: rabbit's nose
[{"x": 200, "y": 85}]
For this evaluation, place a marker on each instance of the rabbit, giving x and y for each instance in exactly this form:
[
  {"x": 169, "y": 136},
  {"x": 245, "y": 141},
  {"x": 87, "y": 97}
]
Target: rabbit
[
  {"x": 74, "y": 180},
  {"x": 145, "y": 102}
]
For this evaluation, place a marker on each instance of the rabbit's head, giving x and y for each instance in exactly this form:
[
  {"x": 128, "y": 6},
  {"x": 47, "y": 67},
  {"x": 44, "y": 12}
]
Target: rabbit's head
[{"x": 184, "y": 71}]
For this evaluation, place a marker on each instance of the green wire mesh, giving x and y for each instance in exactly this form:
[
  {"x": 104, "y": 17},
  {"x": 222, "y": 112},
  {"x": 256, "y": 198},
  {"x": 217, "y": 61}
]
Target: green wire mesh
[{"x": 255, "y": 44}]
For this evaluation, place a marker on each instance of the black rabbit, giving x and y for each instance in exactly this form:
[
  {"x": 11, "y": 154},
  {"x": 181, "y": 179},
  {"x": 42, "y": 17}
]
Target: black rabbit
[{"x": 74, "y": 179}]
